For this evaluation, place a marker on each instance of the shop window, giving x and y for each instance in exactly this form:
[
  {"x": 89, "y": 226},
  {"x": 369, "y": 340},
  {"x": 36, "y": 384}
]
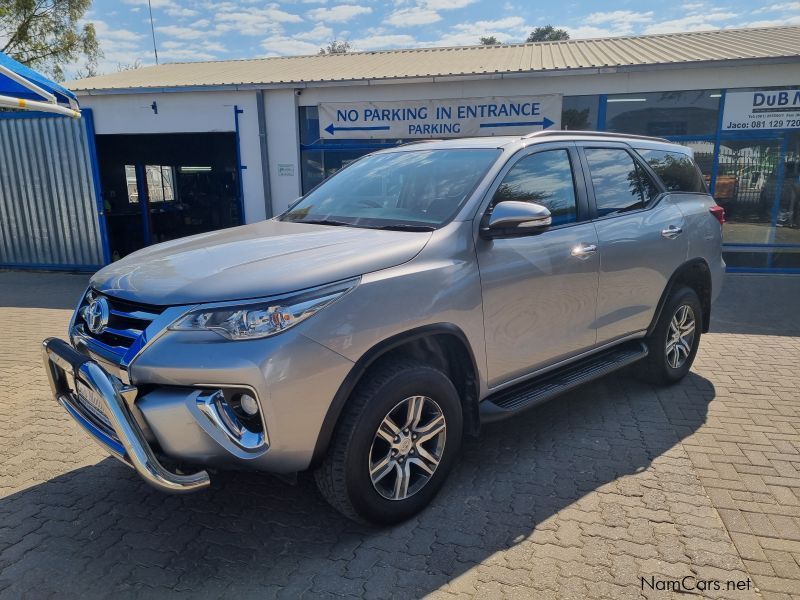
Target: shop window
[
  {"x": 579, "y": 113},
  {"x": 746, "y": 187},
  {"x": 664, "y": 113},
  {"x": 130, "y": 180},
  {"x": 160, "y": 183}
]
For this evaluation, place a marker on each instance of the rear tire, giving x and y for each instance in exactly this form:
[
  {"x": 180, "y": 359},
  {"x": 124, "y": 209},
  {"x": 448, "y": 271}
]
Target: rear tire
[
  {"x": 395, "y": 444},
  {"x": 673, "y": 343}
]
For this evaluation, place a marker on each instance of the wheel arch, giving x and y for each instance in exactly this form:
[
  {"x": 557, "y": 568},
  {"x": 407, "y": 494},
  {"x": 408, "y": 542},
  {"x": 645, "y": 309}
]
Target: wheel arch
[
  {"x": 695, "y": 274},
  {"x": 442, "y": 344}
]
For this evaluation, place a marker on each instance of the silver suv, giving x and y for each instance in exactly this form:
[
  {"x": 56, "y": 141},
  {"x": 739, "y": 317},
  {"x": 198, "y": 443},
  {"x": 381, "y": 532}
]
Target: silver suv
[{"x": 418, "y": 293}]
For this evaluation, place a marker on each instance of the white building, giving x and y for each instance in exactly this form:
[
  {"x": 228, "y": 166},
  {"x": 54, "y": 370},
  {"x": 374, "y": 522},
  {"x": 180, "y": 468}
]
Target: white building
[{"x": 190, "y": 147}]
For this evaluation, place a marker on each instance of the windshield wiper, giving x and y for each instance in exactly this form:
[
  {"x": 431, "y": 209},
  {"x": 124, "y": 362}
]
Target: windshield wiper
[
  {"x": 405, "y": 227},
  {"x": 332, "y": 222}
]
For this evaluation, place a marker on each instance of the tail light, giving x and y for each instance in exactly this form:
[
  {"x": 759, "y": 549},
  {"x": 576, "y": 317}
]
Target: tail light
[{"x": 718, "y": 212}]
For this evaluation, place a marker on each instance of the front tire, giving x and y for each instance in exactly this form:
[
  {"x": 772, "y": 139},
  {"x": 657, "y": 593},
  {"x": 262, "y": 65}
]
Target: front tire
[
  {"x": 395, "y": 444},
  {"x": 674, "y": 342}
]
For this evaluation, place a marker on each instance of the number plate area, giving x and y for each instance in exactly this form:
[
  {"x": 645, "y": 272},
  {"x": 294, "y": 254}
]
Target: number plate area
[{"x": 91, "y": 402}]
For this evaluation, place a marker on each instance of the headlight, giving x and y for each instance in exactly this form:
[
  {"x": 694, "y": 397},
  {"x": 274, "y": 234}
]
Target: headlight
[{"x": 261, "y": 318}]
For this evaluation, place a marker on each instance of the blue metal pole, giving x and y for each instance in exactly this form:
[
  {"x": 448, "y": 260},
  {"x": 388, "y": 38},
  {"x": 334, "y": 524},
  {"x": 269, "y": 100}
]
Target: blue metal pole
[
  {"x": 776, "y": 204},
  {"x": 602, "y": 107},
  {"x": 239, "y": 166},
  {"x": 88, "y": 117},
  {"x": 715, "y": 162}
]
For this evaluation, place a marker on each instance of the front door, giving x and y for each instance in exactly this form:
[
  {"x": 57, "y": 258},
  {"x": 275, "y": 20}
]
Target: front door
[
  {"x": 539, "y": 291},
  {"x": 641, "y": 240}
]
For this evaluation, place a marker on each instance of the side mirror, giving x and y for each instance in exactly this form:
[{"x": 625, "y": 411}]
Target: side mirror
[
  {"x": 512, "y": 217},
  {"x": 294, "y": 203}
]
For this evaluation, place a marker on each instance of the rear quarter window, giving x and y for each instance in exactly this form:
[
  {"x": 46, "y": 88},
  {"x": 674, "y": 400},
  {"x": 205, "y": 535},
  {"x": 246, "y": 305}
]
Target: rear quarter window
[{"x": 677, "y": 171}]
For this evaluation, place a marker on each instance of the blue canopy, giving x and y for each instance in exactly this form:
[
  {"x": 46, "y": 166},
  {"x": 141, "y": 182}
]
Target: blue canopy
[{"x": 32, "y": 90}]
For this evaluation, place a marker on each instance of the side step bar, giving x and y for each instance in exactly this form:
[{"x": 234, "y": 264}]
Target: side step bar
[{"x": 516, "y": 399}]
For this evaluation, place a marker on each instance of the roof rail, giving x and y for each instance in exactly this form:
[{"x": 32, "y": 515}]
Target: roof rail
[
  {"x": 569, "y": 132},
  {"x": 422, "y": 141}
]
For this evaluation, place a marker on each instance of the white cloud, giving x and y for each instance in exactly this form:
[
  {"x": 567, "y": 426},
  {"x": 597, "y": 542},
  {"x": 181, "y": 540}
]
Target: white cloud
[
  {"x": 380, "y": 42},
  {"x": 783, "y": 6},
  {"x": 186, "y": 54},
  {"x": 338, "y": 14},
  {"x": 179, "y": 11},
  {"x": 695, "y": 22},
  {"x": 506, "y": 30},
  {"x": 154, "y": 3},
  {"x": 407, "y": 17},
  {"x": 445, "y": 4},
  {"x": 794, "y": 20},
  {"x": 506, "y": 23},
  {"x": 119, "y": 46},
  {"x": 319, "y": 33},
  {"x": 283, "y": 46},
  {"x": 587, "y": 31},
  {"x": 183, "y": 33},
  {"x": 255, "y": 21},
  {"x": 619, "y": 16},
  {"x": 106, "y": 33}
]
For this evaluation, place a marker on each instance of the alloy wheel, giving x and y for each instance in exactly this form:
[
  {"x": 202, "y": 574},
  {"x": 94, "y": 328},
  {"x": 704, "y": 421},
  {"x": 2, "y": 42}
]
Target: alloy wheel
[
  {"x": 407, "y": 448},
  {"x": 680, "y": 336}
]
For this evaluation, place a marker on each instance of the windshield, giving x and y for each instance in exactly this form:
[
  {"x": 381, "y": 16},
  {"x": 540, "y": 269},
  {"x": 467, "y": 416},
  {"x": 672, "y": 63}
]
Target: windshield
[{"x": 412, "y": 189}]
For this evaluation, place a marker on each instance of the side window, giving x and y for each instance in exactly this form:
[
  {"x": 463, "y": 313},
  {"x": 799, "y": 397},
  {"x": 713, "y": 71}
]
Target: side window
[
  {"x": 544, "y": 178},
  {"x": 677, "y": 170},
  {"x": 620, "y": 185}
]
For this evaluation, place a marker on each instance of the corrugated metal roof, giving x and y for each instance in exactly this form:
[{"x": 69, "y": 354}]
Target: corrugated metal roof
[{"x": 602, "y": 53}]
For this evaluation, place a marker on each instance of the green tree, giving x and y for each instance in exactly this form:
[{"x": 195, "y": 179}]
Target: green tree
[
  {"x": 489, "y": 41},
  {"x": 48, "y": 34},
  {"x": 336, "y": 47},
  {"x": 548, "y": 33}
]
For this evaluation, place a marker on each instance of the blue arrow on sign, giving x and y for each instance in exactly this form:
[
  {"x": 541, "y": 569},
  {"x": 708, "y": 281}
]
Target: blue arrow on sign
[
  {"x": 545, "y": 123},
  {"x": 332, "y": 130}
]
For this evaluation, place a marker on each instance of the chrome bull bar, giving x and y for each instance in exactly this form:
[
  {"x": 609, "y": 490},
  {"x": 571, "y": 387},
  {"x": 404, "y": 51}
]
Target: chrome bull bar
[{"x": 121, "y": 435}]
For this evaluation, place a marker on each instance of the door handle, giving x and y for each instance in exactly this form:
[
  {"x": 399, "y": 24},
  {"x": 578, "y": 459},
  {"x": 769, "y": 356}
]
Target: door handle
[
  {"x": 583, "y": 251},
  {"x": 671, "y": 232}
]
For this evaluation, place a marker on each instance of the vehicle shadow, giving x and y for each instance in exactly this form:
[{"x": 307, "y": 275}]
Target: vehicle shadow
[{"x": 99, "y": 531}]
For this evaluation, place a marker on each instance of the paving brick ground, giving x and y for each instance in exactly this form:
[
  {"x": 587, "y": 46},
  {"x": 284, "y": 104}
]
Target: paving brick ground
[{"x": 580, "y": 498}]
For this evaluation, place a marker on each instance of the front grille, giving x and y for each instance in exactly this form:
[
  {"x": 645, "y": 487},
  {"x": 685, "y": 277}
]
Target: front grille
[{"x": 126, "y": 322}]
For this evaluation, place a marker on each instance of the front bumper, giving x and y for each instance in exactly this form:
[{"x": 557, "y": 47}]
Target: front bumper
[{"x": 107, "y": 417}]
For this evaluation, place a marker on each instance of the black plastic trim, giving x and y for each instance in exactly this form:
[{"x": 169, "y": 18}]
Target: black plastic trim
[
  {"x": 668, "y": 289},
  {"x": 368, "y": 359}
]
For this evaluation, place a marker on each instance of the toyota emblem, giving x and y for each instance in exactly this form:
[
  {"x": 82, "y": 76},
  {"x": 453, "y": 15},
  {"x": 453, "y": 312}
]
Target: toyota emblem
[{"x": 96, "y": 315}]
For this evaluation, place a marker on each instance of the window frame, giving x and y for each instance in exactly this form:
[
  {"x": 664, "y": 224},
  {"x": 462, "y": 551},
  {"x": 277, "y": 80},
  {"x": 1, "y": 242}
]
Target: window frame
[
  {"x": 578, "y": 181},
  {"x": 588, "y": 145}
]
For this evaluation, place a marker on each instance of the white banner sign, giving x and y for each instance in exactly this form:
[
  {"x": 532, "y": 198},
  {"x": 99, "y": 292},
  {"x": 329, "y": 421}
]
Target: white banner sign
[
  {"x": 460, "y": 117},
  {"x": 766, "y": 109}
]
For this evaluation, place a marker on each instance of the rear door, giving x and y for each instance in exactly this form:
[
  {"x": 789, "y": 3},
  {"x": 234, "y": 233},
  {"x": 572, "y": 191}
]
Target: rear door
[
  {"x": 640, "y": 238},
  {"x": 539, "y": 290}
]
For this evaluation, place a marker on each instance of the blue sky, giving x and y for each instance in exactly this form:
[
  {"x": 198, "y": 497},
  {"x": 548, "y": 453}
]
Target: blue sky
[{"x": 190, "y": 30}]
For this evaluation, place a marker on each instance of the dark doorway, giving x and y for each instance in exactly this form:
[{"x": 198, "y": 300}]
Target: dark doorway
[{"x": 158, "y": 187}]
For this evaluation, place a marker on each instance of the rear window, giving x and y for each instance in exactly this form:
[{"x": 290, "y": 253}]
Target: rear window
[{"x": 677, "y": 170}]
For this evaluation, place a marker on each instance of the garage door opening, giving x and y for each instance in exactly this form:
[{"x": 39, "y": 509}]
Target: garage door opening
[{"x": 165, "y": 186}]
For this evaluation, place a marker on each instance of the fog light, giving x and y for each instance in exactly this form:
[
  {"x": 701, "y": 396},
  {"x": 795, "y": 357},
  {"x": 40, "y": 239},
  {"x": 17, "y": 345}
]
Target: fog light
[{"x": 248, "y": 404}]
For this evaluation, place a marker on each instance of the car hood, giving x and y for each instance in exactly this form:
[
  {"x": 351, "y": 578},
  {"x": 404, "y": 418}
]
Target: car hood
[{"x": 257, "y": 260}]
